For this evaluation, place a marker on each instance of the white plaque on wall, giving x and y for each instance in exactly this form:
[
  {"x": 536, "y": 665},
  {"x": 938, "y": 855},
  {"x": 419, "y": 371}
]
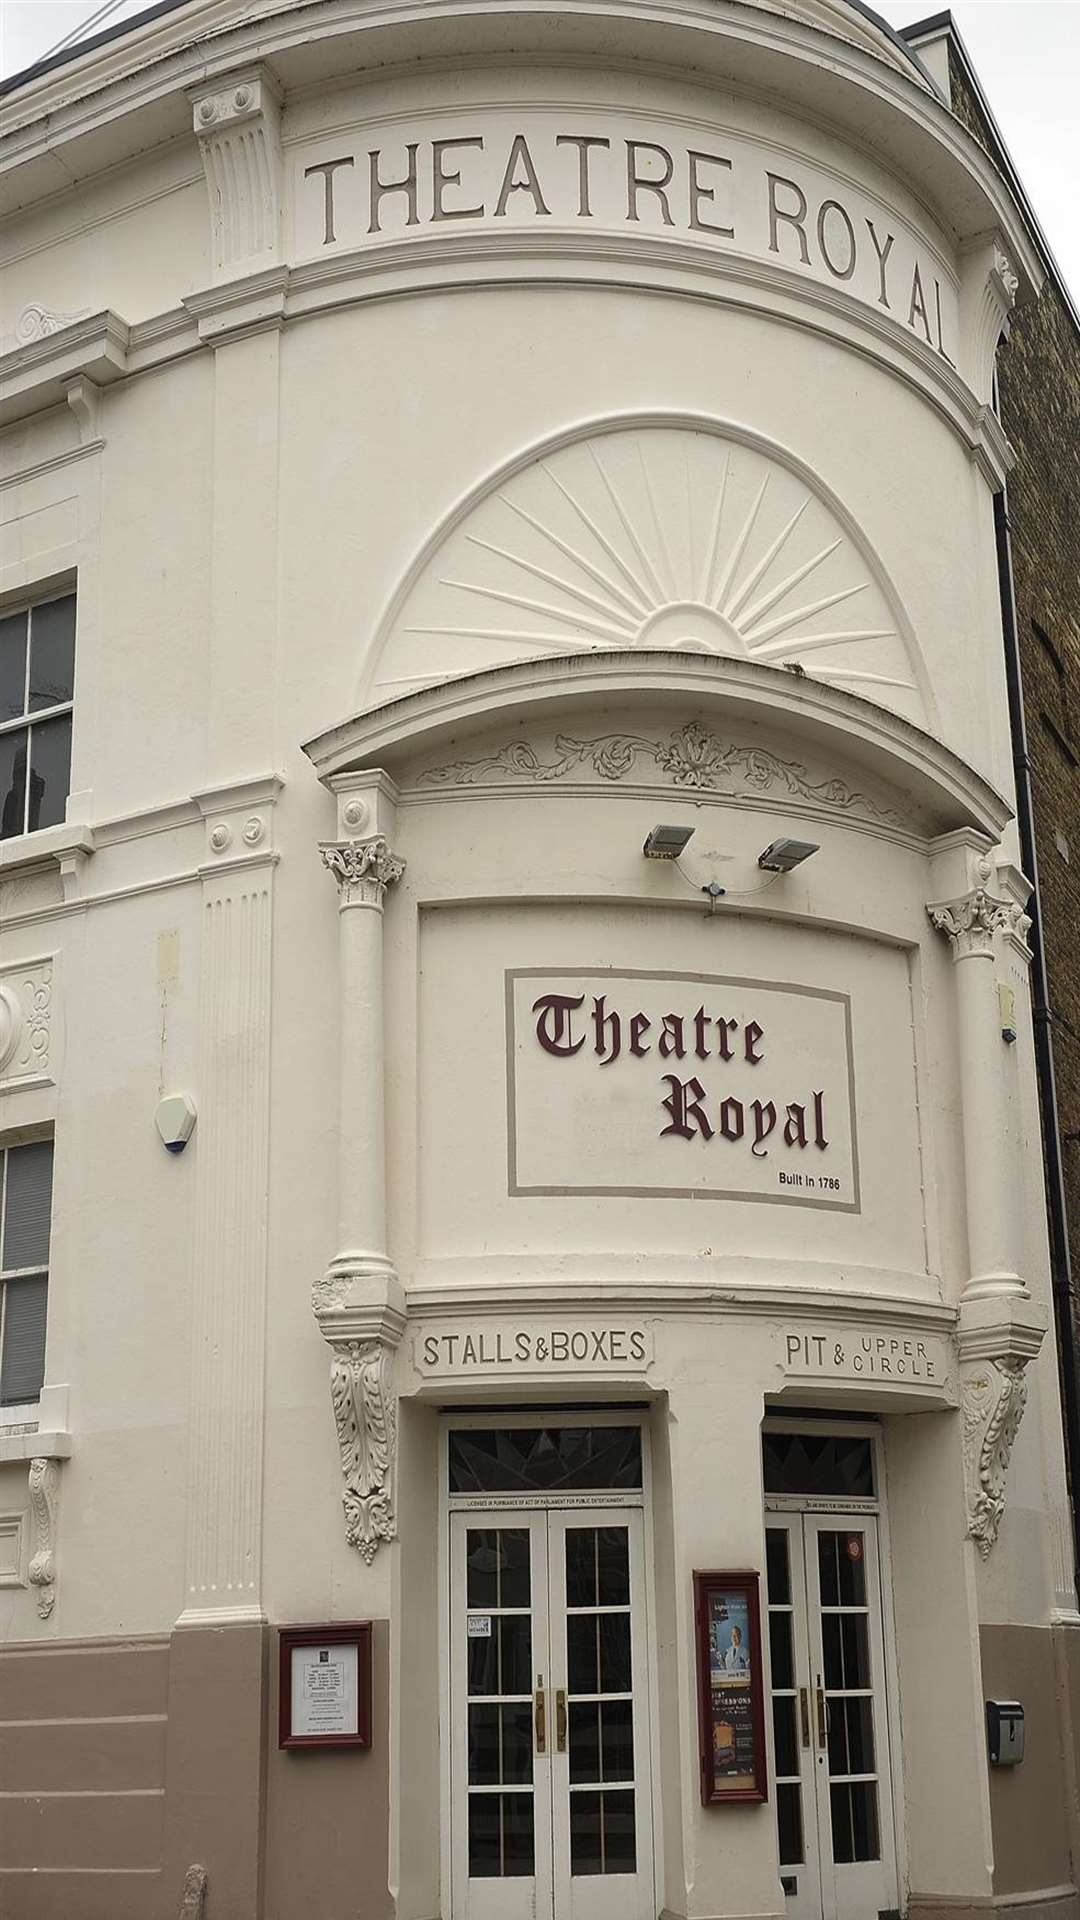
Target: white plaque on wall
[
  {"x": 325, "y": 1694},
  {"x": 674, "y": 1085}
]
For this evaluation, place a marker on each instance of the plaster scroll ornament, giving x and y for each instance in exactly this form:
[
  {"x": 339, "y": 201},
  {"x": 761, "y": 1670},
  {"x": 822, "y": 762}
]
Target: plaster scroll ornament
[
  {"x": 193, "y": 1903},
  {"x": 690, "y": 758},
  {"x": 36, "y": 322},
  {"x": 362, "y": 1395},
  {"x": 26, "y": 1021},
  {"x": 993, "y": 1399},
  {"x": 44, "y": 1499},
  {"x": 675, "y": 537},
  {"x": 11, "y": 1024},
  {"x": 363, "y": 869}
]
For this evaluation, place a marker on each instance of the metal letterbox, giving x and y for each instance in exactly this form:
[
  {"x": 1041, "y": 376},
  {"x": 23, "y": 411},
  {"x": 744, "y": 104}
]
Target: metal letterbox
[{"x": 1005, "y": 1732}]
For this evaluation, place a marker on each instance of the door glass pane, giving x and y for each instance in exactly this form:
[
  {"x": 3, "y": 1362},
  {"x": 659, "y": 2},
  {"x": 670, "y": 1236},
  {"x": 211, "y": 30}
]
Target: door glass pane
[
  {"x": 786, "y": 1742},
  {"x": 500, "y": 1835},
  {"x": 789, "y": 1824},
  {"x": 615, "y": 1652},
  {"x": 854, "y": 1821},
  {"x": 602, "y": 1833},
  {"x": 498, "y": 1628},
  {"x": 544, "y": 1459},
  {"x": 617, "y": 1739},
  {"x": 776, "y": 1562},
  {"x": 851, "y": 1735},
  {"x": 780, "y": 1649}
]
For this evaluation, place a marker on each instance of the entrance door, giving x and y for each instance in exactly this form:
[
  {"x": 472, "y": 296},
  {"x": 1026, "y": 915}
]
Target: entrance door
[
  {"x": 830, "y": 1729},
  {"x": 551, "y": 1795}
]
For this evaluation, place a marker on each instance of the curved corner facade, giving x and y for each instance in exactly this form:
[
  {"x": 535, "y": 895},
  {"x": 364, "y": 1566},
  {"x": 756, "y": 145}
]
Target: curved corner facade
[{"x": 501, "y": 501}]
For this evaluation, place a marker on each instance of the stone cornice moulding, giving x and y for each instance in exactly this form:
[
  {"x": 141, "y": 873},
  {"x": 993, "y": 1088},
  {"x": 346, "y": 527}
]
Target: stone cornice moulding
[
  {"x": 839, "y": 722},
  {"x": 880, "y": 103},
  {"x": 39, "y": 375}
]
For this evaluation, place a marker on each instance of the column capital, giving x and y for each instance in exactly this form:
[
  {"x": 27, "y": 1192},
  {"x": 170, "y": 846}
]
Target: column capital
[
  {"x": 970, "y": 922},
  {"x": 363, "y": 869}
]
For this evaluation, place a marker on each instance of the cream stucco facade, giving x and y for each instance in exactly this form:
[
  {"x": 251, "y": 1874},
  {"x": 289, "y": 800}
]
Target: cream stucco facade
[{"x": 476, "y": 434}]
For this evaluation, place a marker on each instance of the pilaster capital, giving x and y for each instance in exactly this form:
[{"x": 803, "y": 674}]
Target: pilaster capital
[
  {"x": 363, "y": 869},
  {"x": 237, "y": 121},
  {"x": 969, "y": 921}
]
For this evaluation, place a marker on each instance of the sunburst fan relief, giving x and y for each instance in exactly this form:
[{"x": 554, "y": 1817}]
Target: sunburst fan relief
[{"x": 650, "y": 537}]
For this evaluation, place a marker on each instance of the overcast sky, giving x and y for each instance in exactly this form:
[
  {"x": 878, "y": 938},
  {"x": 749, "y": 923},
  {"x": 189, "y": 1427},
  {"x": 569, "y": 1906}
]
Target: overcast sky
[{"x": 1026, "y": 53}]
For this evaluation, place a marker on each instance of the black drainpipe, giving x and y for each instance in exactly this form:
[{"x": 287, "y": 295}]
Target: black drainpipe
[{"x": 1060, "y": 1265}]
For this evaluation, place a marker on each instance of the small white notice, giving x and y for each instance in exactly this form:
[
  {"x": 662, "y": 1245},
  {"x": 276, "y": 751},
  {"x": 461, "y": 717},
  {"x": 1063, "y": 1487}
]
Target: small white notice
[
  {"x": 479, "y": 1626},
  {"x": 324, "y": 1690}
]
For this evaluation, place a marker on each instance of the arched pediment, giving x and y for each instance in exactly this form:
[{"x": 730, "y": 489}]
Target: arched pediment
[{"x": 651, "y": 533}]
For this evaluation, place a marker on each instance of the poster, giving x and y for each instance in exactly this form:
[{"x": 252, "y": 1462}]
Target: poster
[
  {"x": 731, "y": 1695},
  {"x": 325, "y": 1686}
]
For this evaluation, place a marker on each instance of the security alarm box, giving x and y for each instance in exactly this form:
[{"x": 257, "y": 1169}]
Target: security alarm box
[{"x": 1005, "y": 1732}]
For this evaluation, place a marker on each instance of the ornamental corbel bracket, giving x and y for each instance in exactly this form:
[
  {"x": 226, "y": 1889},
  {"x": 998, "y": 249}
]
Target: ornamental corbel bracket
[
  {"x": 44, "y": 1502},
  {"x": 361, "y": 1316},
  {"x": 998, "y": 1340}
]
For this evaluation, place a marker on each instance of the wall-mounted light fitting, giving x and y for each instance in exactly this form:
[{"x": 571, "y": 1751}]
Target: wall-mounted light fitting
[
  {"x": 782, "y": 855},
  {"x": 666, "y": 843}
]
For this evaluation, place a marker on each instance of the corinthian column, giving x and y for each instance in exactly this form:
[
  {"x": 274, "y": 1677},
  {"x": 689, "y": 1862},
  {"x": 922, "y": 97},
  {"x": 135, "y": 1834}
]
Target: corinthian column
[
  {"x": 358, "y": 1302},
  {"x": 991, "y": 1180}
]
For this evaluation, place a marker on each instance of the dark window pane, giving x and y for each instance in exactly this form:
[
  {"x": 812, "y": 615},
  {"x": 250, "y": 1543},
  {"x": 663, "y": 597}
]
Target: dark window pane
[
  {"x": 856, "y": 1650},
  {"x": 544, "y": 1459},
  {"x": 780, "y": 1648},
  {"x": 614, "y": 1652},
  {"x": 582, "y": 1653},
  {"x": 52, "y": 653},
  {"x": 482, "y": 1568},
  {"x": 851, "y": 1736},
  {"x": 12, "y": 666},
  {"x": 851, "y": 1566},
  {"x": 581, "y": 1567},
  {"x": 784, "y": 1735},
  {"x": 617, "y": 1739},
  {"x": 585, "y": 1855},
  {"x": 828, "y": 1578},
  {"x": 833, "y": 1650},
  {"x": 517, "y": 1745},
  {"x": 22, "y": 1369},
  {"x": 484, "y": 1746},
  {"x": 619, "y": 1845},
  {"x": 12, "y": 783},
  {"x": 854, "y": 1822},
  {"x": 584, "y": 1742},
  {"x": 517, "y": 1823},
  {"x": 776, "y": 1561},
  {"x": 830, "y": 1465},
  {"x": 613, "y": 1566},
  {"x": 50, "y": 772},
  {"x": 485, "y": 1849},
  {"x": 789, "y": 1825},
  {"x": 513, "y": 1566},
  {"x": 28, "y": 1205},
  {"x": 515, "y": 1652}
]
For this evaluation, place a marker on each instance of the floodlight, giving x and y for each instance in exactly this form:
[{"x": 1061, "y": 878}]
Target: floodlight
[
  {"x": 666, "y": 843},
  {"x": 785, "y": 854}
]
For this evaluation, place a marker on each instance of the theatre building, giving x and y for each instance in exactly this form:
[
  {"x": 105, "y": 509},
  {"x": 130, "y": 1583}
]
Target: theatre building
[{"x": 528, "y": 1365}]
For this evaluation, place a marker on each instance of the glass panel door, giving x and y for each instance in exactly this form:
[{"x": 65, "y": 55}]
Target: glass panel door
[
  {"x": 830, "y": 1747},
  {"x": 601, "y": 1783},
  {"x": 792, "y": 1756},
  {"x": 847, "y": 1659},
  {"x": 500, "y": 1790}
]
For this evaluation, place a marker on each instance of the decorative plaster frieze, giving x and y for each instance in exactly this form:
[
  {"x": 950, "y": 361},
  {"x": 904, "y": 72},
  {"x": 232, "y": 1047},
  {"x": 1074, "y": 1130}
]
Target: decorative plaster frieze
[
  {"x": 44, "y": 1504},
  {"x": 26, "y": 1009},
  {"x": 239, "y": 133},
  {"x": 690, "y": 758},
  {"x": 363, "y": 869},
  {"x": 36, "y": 322}
]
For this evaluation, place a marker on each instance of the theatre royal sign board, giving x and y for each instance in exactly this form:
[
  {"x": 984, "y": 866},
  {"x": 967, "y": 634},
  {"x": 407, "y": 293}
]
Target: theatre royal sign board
[
  {"x": 680, "y": 1085},
  {"x": 535, "y": 173}
]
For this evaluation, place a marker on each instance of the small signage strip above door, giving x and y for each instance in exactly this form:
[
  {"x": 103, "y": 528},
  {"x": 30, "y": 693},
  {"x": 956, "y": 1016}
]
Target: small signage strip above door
[
  {"x": 513, "y": 1348},
  {"x": 891, "y": 1358}
]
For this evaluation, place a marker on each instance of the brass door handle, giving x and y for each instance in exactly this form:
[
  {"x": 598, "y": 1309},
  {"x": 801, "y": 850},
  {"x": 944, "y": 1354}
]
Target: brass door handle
[
  {"x": 560, "y": 1720},
  {"x": 540, "y": 1715},
  {"x": 804, "y": 1715},
  {"x": 822, "y": 1716}
]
